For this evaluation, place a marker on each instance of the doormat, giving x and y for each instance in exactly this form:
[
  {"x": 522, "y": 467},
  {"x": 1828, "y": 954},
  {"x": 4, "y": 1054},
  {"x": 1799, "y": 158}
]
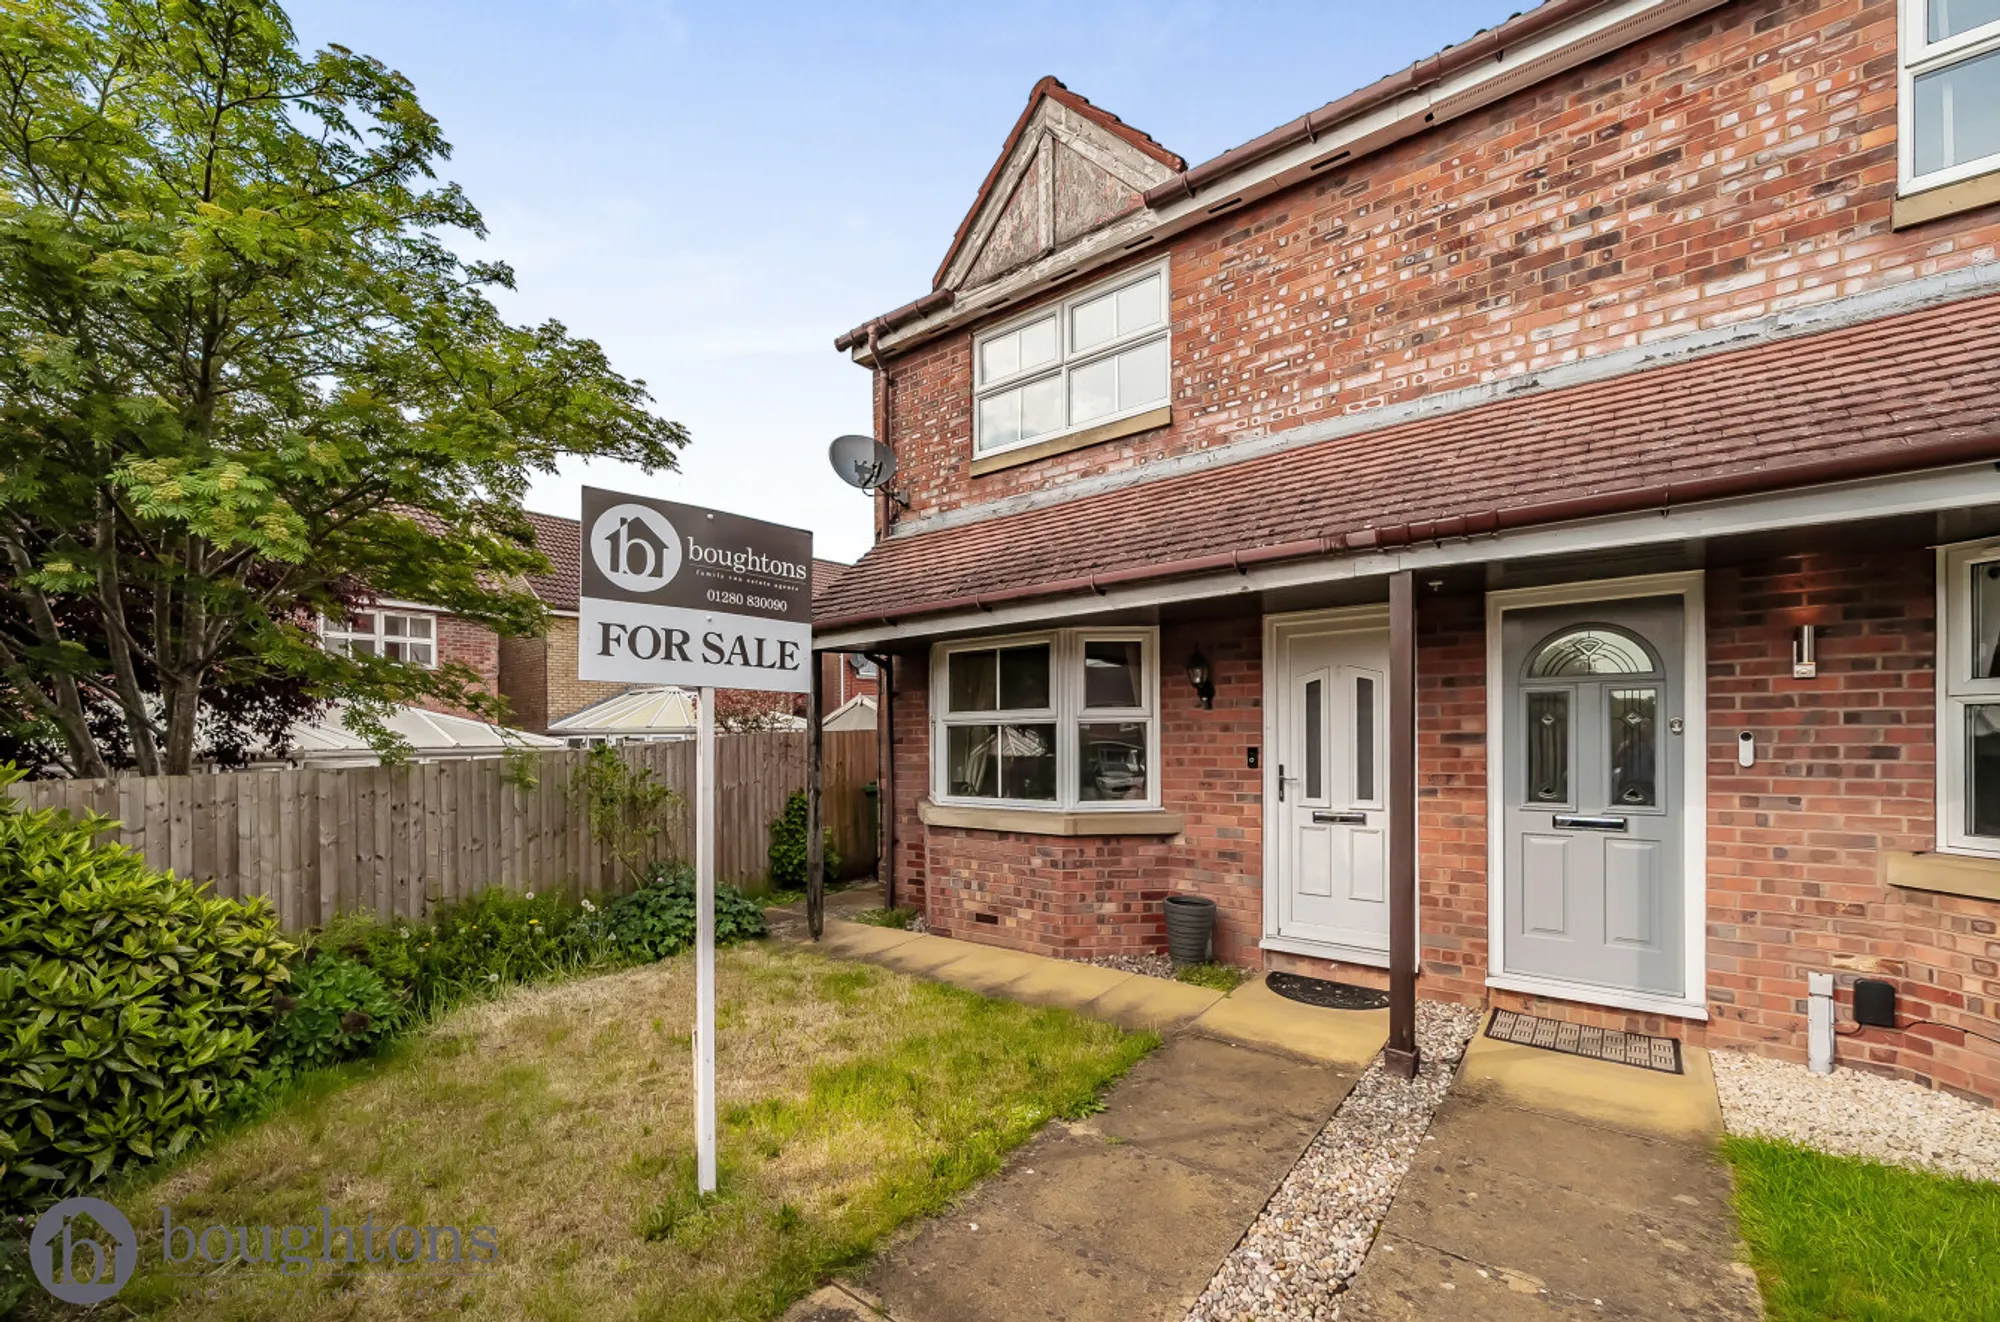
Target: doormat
[
  {"x": 1637, "y": 1049},
  {"x": 1326, "y": 995}
]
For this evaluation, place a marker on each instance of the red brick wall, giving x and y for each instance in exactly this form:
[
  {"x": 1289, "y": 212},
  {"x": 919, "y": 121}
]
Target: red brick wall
[
  {"x": 1102, "y": 895},
  {"x": 838, "y": 683},
  {"x": 1846, "y": 770},
  {"x": 1740, "y": 164},
  {"x": 467, "y": 644}
]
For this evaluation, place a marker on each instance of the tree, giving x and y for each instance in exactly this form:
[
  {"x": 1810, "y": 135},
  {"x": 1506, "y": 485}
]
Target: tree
[{"x": 246, "y": 382}]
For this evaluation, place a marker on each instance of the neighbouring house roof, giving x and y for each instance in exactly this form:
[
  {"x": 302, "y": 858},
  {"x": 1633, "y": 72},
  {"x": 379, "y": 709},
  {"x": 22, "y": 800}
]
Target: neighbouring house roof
[
  {"x": 654, "y": 710},
  {"x": 431, "y": 735},
  {"x": 1893, "y": 394},
  {"x": 857, "y": 713},
  {"x": 561, "y": 540}
]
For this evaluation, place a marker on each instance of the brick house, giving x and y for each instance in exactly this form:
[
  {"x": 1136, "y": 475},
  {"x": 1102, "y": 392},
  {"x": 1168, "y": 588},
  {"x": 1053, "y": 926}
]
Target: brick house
[{"x": 1598, "y": 419}]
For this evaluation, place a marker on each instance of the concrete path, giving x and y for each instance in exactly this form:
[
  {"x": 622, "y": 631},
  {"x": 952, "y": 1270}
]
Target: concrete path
[
  {"x": 1252, "y": 1015},
  {"x": 1123, "y": 1217},
  {"x": 1558, "y": 1188}
]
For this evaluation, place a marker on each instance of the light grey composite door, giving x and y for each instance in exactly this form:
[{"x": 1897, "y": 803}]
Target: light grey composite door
[{"x": 1594, "y": 884}]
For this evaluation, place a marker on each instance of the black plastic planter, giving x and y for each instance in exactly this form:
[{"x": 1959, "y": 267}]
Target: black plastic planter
[{"x": 1190, "y": 926}]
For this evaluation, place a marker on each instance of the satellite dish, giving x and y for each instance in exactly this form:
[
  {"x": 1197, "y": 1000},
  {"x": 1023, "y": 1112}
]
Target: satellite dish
[{"x": 862, "y": 461}]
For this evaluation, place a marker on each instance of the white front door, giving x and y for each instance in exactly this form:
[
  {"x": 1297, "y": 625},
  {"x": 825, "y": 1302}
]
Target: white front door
[{"x": 1328, "y": 806}]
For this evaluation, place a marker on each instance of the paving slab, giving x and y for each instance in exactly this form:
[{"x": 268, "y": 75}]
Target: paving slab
[
  {"x": 1623, "y": 1095},
  {"x": 1146, "y": 1003},
  {"x": 1555, "y": 1187},
  {"x": 1067, "y": 983},
  {"x": 1125, "y": 1216},
  {"x": 1254, "y": 1013}
]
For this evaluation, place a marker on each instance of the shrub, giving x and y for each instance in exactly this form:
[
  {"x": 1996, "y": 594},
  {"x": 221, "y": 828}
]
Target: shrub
[
  {"x": 657, "y": 920},
  {"x": 788, "y": 846},
  {"x": 337, "y": 1008},
  {"x": 471, "y": 947},
  {"x": 132, "y": 1003}
]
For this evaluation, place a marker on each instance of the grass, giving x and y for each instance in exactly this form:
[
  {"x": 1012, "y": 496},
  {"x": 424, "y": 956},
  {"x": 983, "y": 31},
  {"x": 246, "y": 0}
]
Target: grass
[
  {"x": 1839, "y": 1240},
  {"x": 897, "y": 917},
  {"x": 1216, "y": 977},
  {"x": 851, "y": 1100}
]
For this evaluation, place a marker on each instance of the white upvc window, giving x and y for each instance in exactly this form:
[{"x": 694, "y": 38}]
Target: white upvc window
[
  {"x": 1969, "y": 699},
  {"x": 398, "y": 635},
  {"x": 1949, "y": 97},
  {"x": 1093, "y": 358},
  {"x": 1061, "y": 720}
]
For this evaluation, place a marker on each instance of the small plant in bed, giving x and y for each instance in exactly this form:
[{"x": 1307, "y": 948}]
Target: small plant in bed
[
  {"x": 657, "y": 920},
  {"x": 1216, "y": 977}
]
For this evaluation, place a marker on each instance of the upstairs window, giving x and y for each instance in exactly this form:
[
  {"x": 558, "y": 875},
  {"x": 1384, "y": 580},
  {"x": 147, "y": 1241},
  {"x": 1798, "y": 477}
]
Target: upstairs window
[
  {"x": 1969, "y": 700},
  {"x": 398, "y": 635},
  {"x": 1950, "y": 95},
  {"x": 1096, "y": 357}
]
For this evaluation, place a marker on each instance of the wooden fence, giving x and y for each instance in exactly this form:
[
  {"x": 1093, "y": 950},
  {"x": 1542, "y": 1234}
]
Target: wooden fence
[{"x": 398, "y": 840}]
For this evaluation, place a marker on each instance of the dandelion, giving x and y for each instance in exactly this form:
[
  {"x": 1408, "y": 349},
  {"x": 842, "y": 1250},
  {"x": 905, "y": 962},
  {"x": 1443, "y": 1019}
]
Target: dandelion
[
  {"x": 531, "y": 895},
  {"x": 588, "y": 907},
  {"x": 493, "y": 977},
  {"x": 534, "y": 922}
]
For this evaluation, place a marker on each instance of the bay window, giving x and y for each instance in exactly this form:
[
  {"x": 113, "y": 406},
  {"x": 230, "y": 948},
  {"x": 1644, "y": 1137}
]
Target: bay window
[
  {"x": 1093, "y": 358},
  {"x": 1969, "y": 699},
  {"x": 1950, "y": 91},
  {"x": 1056, "y": 720}
]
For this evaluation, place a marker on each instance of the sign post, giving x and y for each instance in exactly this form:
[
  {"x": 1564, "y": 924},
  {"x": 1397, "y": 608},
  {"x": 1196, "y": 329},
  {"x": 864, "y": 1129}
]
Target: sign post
[{"x": 675, "y": 594}]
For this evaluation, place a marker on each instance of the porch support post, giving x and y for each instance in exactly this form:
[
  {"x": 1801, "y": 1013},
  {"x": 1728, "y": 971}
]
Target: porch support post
[
  {"x": 815, "y": 826},
  {"x": 885, "y": 775},
  {"x": 1400, "y": 1055}
]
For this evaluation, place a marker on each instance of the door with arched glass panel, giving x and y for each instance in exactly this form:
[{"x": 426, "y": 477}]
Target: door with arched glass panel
[{"x": 1594, "y": 883}]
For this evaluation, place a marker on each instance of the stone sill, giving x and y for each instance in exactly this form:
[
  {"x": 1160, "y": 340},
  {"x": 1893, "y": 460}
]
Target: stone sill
[
  {"x": 1951, "y": 200},
  {"x": 1046, "y": 821},
  {"x": 1946, "y": 874},
  {"x": 1075, "y": 440}
]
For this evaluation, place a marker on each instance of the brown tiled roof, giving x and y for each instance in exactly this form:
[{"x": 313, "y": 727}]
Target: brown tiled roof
[
  {"x": 561, "y": 540},
  {"x": 1910, "y": 391},
  {"x": 826, "y": 578}
]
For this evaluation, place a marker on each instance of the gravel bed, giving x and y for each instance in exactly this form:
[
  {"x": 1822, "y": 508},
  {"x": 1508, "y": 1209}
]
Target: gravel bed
[
  {"x": 1152, "y": 966},
  {"x": 1311, "y": 1237},
  {"x": 1858, "y": 1114}
]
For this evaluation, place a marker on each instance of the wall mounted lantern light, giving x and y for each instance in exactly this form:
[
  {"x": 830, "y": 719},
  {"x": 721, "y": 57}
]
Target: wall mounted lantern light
[{"x": 1202, "y": 678}]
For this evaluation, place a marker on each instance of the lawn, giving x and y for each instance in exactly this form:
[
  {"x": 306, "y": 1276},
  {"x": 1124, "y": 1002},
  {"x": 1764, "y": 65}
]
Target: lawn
[
  {"x": 1839, "y": 1240},
  {"x": 852, "y": 1099}
]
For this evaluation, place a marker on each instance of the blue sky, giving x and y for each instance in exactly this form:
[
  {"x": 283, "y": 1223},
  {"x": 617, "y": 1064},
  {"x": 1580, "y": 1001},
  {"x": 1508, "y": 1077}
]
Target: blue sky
[{"x": 715, "y": 191}]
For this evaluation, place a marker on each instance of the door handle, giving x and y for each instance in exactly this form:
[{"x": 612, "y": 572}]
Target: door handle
[
  {"x": 1584, "y": 823},
  {"x": 1340, "y": 818}
]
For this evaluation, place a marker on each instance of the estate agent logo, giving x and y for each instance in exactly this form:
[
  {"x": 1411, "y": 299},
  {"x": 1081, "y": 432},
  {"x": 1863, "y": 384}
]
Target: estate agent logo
[
  {"x": 635, "y": 547},
  {"x": 72, "y": 1235}
]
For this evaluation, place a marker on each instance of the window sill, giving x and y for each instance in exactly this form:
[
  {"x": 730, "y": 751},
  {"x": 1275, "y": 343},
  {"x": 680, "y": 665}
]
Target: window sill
[
  {"x": 1946, "y": 874},
  {"x": 1076, "y": 440},
  {"x": 1051, "y": 821},
  {"x": 1950, "y": 200}
]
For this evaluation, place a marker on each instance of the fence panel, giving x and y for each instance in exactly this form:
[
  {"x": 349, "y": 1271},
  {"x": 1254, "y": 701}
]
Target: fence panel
[{"x": 399, "y": 840}]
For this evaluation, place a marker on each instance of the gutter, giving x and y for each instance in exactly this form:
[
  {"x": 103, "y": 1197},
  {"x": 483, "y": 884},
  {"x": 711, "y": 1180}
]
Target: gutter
[
  {"x": 1424, "y": 73},
  {"x": 1664, "y": 498},
  {"x": 914, "y": 310}
]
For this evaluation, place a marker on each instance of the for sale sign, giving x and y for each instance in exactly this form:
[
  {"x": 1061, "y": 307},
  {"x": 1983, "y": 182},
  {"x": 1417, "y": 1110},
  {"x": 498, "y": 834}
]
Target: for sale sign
[{"x": 674, "y": 594}]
